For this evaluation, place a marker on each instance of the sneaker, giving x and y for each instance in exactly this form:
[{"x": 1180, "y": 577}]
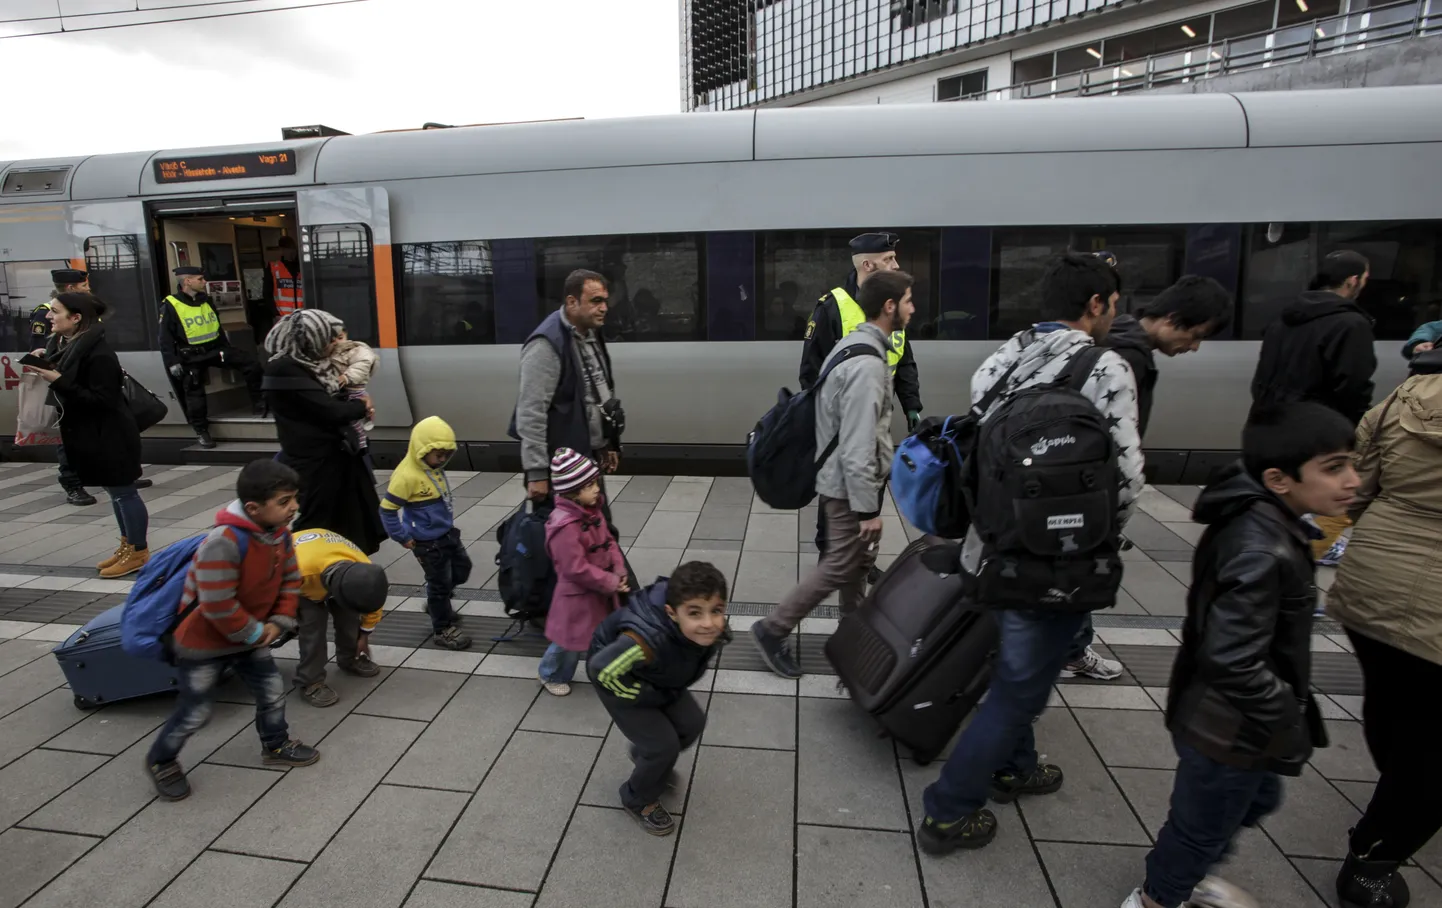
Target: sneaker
[
  {"x": 653, "y": 818},
  {"x": 975, "y": 830},
  {"x": 1371, "y": 884},
  {"x": 361, "y": 666},
  {"x": 556, "y": 688},
  {"x": 143, "y": 483},
  {"x": 291, "y": 753},
  {"x": 169, "y": 779},
  {"x": 1134, "y": 900},
  {"x": 1334, "y": 554},
  {"x": 319, "y": 694},
  {"x": 1091, "y": 665},
  {"x": 775, "y": 652},
  {"x": 1215, "y": 892},
  {"x": 452, "y": 638},
  {"x": 114, "y": 556},
  {"x": 79, "y": 497},
  {"x": 205, "y": 440},
  {"x": 1007, "y": 787},
  {"x": 130, "y": 561}
]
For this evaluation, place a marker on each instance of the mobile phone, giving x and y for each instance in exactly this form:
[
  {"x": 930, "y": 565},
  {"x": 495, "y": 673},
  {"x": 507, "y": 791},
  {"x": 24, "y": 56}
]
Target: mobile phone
[{"x": 30, "y": 359}]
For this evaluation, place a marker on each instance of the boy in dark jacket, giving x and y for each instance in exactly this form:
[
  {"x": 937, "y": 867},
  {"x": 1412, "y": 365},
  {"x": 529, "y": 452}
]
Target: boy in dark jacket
[
  {"x": 1239, "y": 705},
  {"x": 642, "y": 660},
  {"x": 244, "y": 603}
]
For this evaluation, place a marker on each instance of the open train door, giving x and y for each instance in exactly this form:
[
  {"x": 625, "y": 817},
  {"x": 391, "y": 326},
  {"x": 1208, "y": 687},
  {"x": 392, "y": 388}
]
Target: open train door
[{"x": 346, "y": 264}]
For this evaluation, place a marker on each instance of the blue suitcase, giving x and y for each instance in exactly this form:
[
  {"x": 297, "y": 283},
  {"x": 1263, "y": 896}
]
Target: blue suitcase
[{"x": 100, "y": 672}]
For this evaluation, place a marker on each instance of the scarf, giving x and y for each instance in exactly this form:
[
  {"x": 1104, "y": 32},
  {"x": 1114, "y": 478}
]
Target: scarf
[
  {"x": 68, "y": 354},
  {"x": 304, "y": 336}
]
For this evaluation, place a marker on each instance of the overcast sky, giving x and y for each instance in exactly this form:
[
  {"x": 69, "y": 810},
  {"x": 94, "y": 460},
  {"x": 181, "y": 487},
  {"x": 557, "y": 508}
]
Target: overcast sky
[{"x": 380, "y": 64}]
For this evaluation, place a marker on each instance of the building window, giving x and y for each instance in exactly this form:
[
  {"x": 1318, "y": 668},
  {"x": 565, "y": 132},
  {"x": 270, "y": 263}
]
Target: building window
[
  {"x": 655, "y": 282},
  {"x": 1033, "y": 69},
  {"x": 955, "y": 88},
  {"x": 908, "y": 13},
  {"x": 1244, "y": 20},
  {"x": 448, "y": 293},
  {"x": 113, "y": 263}
]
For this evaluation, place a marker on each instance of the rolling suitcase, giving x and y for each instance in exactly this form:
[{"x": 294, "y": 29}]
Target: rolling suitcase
[
  {"x": 914, "y": 656},
  {"x": 100, "y": 672}
]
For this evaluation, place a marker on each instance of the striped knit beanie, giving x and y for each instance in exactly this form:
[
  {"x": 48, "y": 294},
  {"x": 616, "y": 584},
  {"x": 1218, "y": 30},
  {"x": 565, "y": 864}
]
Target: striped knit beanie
[{"x": 571, "y": 471}]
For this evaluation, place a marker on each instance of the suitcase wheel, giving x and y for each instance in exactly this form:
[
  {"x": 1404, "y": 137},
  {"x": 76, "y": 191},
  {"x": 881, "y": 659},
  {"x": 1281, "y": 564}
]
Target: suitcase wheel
[
  {"x": 924, "y": 758},
  {"x": 82, "y": 703}
]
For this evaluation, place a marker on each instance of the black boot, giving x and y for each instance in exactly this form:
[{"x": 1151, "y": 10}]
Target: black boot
[
  {"x": 1371, "y": 884},
  {"x": 205, "y": 440},
  {"x": 143, "y": 483},
  {"x": 79, "y": 497}
]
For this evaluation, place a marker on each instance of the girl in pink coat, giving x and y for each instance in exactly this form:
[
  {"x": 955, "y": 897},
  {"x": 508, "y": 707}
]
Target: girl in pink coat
[{"x": 590, "y": 569}]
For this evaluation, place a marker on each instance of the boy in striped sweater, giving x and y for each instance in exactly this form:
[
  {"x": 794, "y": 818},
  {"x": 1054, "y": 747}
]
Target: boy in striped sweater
[{"x": 245, "y": 604}]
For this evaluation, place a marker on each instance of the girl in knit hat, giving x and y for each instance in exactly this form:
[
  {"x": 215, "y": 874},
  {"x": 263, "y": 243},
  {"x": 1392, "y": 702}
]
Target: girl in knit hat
[{"x": 590, "y": 569}]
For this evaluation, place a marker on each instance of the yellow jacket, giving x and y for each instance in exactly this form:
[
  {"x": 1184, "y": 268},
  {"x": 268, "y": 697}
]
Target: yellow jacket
[
  {"x": 316, "y": 550},
  {"x": 417, "y": 502}
]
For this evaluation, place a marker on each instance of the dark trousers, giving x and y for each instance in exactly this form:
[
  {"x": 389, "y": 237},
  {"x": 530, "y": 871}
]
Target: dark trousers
[
  {"x": 190, "y": 387},
  {"x": 1210, "y": 803},
  {"x": 1402, "y": 724},
  {"x": 69, "y": 479},
  {"x": 659, "y": 734},
  {"x": 312, "y": 618},
  {"x": 256, "y": 668},
  {"x": 447, "y": 565}
]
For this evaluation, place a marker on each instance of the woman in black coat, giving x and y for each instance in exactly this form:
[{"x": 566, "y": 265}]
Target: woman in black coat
[
  {"x": 337, "y": 492},
  {"x": 102, "y": 442}
]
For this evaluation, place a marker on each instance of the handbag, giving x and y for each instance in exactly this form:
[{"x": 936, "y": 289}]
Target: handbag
[
  {"x": 144, "y": 405},
  {"x": 37, "y": 422}
]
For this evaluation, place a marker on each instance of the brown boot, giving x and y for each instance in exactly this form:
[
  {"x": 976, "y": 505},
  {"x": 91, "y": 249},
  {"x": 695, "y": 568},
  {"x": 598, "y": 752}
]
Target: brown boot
[
  {"x": 131, "y": 560},
  {"x": 115, "y": 556}
]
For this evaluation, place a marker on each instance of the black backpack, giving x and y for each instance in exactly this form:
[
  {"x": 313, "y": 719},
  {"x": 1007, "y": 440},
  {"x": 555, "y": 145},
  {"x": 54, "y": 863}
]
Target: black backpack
[
  {"x": 781, "y": 451},
  {"x": 1044, "y": 499},
  {"x": 527, "y": 579}
]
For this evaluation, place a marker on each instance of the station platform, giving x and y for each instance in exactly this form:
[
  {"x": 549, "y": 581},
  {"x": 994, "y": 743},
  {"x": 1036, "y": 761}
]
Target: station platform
[{"x": 452, "y": 780}]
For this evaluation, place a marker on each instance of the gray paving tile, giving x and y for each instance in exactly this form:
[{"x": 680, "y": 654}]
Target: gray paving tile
[
  {"x": 510, "y": 830},
  {"x": 1151, "y": 536},
  {"x": 685, "y": 495},
  {"x": 1149, "y": 791},
  {"x": 613, "y": 768},
  {"x": 667, "y": 529},
  {"x": 764, "y": 576},
  {"x": 32, "y": 858},
  {"x": 1089, "y": 807},
  {"x": 353, "y": 759},
  {"x": 139, "y": 860},
  {"x": 864, "y": 868},
  {"x": 29, "y": 683},
  {"x": 648, "y": 564},
  {"x": 1129, "y": 738},
  {"x": 476, "y": 723},
  {"x": 647, "y": 489},
  {"x": 744, "y": 720},
  {"x": 37, "y": 777},
  {"x": 33, "y": 725},
  {"x": 630, "y": 516},
  {"x": 1314, "y": 818},
  {"x": 737, "y": 849},
  {"x": 581, "y": 713},
  {"x": 1092, "y": 876},
  {"x": 1154, "y": 588},
  {"x": 730, "y": 491},
  {"x": 1323, "y": 876},
  {"x": 431, "y": 894},
  {"x": 723, "y": 559},
  {"x": 771, "y": 533},
  {"x": 604, "y": 852},
  {"x": 1347, "y": 757},
  {"x": 221, "y": 880},
  {"x": 718, "y": 522},
  {"x": 1265, "y": 872},
  {"x": 849, "y": 776},
  {"x": 387, "y": 843},
  {"x": 112, "y": 729},
  {"x": 19, "y": 653},
  {"x": 112, "y": 794},
  {"x": 411, "y": 694}
]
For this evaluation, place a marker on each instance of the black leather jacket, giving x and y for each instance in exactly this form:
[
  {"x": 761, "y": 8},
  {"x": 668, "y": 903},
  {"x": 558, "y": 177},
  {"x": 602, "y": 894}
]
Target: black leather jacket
[{"x": 1240, "y": 688}]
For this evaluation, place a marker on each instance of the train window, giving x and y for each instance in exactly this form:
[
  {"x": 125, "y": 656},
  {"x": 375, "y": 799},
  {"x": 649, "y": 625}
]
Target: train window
[
  {"x": 114, "y": 266},
  {"x": 25, "y": 182},
  {"x": 23, "y": 286},
  {"x": 1019, "y": 258},
  {"x": 795, "y": 268},
  {"x": 1405, "y": 286},
  {"x": 340, "y": 277},
  {"x": 448, "y": 293},
  {"x": 1280, "y": 261},
  {"x": 655, "y": 282}
]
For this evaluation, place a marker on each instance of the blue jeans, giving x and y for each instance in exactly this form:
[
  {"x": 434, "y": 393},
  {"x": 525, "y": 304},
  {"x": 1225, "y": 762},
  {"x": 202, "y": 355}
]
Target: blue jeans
[
  {"x": 130, "y": 514},
  {"x": 558, "y": 666},
  {"x": 197, "y": 688},
  {"x": 1210, "y": 802},
  {"x": 1083, "y": 639},
  {"x": 1034, "y": 646}
]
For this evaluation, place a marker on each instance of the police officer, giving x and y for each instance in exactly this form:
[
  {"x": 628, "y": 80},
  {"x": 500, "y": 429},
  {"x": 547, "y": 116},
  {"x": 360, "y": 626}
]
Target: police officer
[
  {"x": 837, "y": 314},
  {"x": 191, "y": 340}
]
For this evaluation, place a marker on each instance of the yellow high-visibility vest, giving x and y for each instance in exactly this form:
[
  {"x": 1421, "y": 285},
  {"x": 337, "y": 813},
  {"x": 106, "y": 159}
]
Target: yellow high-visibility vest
[
  {"x": 852, "y": 316},
  {"x": 201, "y": 326}
]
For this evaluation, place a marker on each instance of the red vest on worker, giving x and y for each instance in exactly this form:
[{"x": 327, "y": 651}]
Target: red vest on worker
[{"x": 288, "y": 293}]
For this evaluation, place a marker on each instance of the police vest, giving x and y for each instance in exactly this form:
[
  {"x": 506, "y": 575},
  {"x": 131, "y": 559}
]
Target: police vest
[
  {"x": 852, "y": 316},
  {"x": 201, "y": 326},
  {"x": 288, "y": 293}
]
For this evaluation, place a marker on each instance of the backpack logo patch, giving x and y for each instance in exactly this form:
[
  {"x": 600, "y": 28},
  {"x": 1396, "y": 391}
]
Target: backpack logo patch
[
  {"x": 1043, "y": 445},
  {"x": 1065, "y": 522}
]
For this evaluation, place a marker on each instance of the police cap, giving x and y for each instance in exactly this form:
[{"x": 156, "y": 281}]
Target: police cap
[
  {"x": 873, "y": 243},
  {"x": 184, "y": 270},
  {"x": 68, "y": 276}
]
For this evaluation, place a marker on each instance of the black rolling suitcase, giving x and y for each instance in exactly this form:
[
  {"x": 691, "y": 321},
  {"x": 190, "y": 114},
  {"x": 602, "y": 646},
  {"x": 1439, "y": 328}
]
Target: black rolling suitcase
[
  {"x": 914, "y": 656},
  {"x": 100, "y": 672}
]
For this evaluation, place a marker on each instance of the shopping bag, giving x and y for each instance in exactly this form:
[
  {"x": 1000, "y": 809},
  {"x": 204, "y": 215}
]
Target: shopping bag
[{"x": 38, "y": 422}]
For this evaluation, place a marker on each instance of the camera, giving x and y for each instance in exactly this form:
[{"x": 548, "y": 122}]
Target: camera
[{"x": 613, "y": 422}]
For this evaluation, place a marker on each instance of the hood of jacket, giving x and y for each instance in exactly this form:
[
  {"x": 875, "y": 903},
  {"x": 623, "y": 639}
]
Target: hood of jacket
[
  {"x": 233, "y": 515},
  {"x": 1233, "y": 491},
  {"x": 1419, "y": 401},
  {"x": 412, "y": 479},
  {"x": 1315, "y": 304},
  {"x": 1127, "y": 333},
  {"x": 1038, "y": 348}
]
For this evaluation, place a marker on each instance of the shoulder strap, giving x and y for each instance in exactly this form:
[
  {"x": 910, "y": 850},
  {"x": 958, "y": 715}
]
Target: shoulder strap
[
  {"x": 1080, "y": 368},
  {"x": 845, "y": 354},
  {"x": 998, "y": 388},
  {"x": 242, "y": 542}
]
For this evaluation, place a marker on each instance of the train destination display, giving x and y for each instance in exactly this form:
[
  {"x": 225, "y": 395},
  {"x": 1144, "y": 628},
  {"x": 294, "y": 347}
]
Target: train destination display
[{"x": 225, "y": 166}]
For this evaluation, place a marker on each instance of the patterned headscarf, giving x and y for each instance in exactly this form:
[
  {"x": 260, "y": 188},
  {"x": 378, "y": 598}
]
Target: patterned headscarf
[{"x": 304, "y": 336}]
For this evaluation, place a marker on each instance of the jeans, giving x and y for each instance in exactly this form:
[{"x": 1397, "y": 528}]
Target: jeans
[
  {"x": 447, "y": 565},
  {"x": 311, "y": 620},
  {"x": 1083, "y": 639},
  {"x": 558, "y": 666},
  {"x": 130, "y": 514},
  {"x": 658, "y": 735},
  {"x": 197, "y": 687},
  {"x": 1210, "y": 803},
  {"x": 1001, "y": 738}
]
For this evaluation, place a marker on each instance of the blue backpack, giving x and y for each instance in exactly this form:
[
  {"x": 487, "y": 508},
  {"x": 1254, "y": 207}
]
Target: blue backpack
[
  {"x": 152, "y": 610},
  {"x": 781, "y": 451}
]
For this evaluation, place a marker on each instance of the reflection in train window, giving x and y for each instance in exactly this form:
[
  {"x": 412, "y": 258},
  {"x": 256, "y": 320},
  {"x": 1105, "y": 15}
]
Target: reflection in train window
[
  {"x": 342, "y": 274},
  {"x": 655, "y": 282},
  {"x": 795, "y": 268},
  {"x": 1019, "y": 258},
  {"x": 1405, "y": 287},
  {"x": 114, "y": 266},
  {"x": 23, "y": 286},
  {"x": 448, "y": 293},
  {"x": 1281, "y": 259}
]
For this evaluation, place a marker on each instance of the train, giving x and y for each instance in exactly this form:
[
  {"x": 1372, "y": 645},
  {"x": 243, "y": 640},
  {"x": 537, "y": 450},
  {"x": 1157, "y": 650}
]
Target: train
[{"x": 444, "y": 247}]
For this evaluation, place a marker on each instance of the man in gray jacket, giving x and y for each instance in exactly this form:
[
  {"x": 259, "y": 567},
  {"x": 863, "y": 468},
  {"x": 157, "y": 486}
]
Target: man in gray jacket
[{"x": 854, "y": 407}]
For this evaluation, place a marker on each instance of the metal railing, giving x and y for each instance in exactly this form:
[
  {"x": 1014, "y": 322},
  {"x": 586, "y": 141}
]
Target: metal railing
[{"x": 1287, "y": 44}]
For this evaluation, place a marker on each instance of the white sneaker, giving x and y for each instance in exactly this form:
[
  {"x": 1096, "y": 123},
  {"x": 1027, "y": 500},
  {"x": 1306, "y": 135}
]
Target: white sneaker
[
  {"x": 1134, "y": 900},
  {"x": 556, "y": 688},
  {"x": 1214, "y": 892},
  {"x": 1093, "y": 666}
]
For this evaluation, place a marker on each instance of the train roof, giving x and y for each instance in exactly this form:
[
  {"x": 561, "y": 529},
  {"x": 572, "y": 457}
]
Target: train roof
[{"x": 1138, "y": 122}]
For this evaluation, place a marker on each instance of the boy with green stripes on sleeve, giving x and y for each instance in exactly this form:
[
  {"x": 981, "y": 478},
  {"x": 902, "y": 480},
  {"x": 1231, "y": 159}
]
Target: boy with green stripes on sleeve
[{"x": 643, "y": 659}]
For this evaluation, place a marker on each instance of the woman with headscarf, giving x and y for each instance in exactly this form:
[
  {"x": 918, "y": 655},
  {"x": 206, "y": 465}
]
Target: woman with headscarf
[
  {"x": 314, "y": 425},
  {"x": 102, "y": 442}
]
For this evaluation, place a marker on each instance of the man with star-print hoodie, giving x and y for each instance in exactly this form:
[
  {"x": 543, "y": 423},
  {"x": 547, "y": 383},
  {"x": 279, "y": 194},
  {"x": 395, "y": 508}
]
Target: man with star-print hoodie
[{"x": 996, "y": 756}]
